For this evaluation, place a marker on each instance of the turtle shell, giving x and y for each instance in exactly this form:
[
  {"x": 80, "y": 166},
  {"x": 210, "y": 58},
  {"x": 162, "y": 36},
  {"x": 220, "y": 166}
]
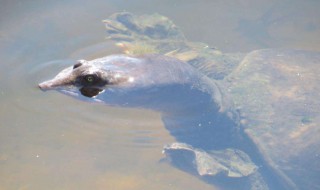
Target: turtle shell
[{"x": 277, "y": 94}]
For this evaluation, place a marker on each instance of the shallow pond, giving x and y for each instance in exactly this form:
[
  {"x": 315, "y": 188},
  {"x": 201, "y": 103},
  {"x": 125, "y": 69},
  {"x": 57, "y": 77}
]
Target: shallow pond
[{"x": 51, "y": 141}]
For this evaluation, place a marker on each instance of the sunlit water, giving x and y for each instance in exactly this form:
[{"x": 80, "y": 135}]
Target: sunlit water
[{"x": 51, "y": 141}]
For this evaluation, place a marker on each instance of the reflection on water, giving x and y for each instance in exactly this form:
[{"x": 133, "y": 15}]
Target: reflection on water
[{"x": 49, "y": 141}]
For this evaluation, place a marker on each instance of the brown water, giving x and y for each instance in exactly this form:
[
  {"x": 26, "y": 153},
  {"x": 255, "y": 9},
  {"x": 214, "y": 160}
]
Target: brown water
[{"x": 50, "y": 141}]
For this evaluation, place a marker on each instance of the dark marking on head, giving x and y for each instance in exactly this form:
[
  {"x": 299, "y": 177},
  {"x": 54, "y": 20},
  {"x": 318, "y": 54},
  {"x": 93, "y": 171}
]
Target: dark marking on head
[
  {"x": 90, "y": 92},
  {"x": 92, "y": 80}
]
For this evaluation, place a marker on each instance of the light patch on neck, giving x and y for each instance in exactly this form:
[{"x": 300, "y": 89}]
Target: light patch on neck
[
  {"x": 117, "y": 76},
  {"x": 130, "y": 79}
]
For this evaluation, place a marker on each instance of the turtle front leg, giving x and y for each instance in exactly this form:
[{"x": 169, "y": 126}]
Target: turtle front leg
[{"x": 229, "y": 163}]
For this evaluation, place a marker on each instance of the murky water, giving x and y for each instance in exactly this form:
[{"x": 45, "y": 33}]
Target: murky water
[{"x": 51, "y": 141}]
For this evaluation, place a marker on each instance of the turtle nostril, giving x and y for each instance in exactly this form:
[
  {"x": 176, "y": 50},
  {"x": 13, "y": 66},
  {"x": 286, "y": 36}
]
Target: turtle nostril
[
  {"x": 77, "y": 65},
  {"x": 43, "y": 86}
]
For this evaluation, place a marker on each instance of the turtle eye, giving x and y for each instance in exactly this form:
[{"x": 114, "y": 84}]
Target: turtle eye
[{"x": 90, "y": 79}]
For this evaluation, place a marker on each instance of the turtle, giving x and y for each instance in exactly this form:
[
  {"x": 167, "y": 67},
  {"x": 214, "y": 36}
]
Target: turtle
[{"x": 253, "y": 118}]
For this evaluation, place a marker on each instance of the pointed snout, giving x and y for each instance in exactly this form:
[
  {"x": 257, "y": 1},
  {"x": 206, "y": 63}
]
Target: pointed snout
[
  {"x": 53, "y": 84},
  {"x": 47, "y": 85}
]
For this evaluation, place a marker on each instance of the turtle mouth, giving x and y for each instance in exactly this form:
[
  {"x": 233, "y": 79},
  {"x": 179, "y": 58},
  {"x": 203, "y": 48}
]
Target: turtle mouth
[{"x": 90, "y": 92}]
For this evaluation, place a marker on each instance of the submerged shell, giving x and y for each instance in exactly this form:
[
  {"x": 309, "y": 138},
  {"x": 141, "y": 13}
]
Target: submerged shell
[{"x": 275, "y": 91}]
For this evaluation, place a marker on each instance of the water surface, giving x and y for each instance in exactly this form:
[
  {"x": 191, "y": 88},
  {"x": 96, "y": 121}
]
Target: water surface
[{"x": 50, "y": 141}]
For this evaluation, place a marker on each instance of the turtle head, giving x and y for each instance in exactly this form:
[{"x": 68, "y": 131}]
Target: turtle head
[{"x": 91, "y": 78}]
